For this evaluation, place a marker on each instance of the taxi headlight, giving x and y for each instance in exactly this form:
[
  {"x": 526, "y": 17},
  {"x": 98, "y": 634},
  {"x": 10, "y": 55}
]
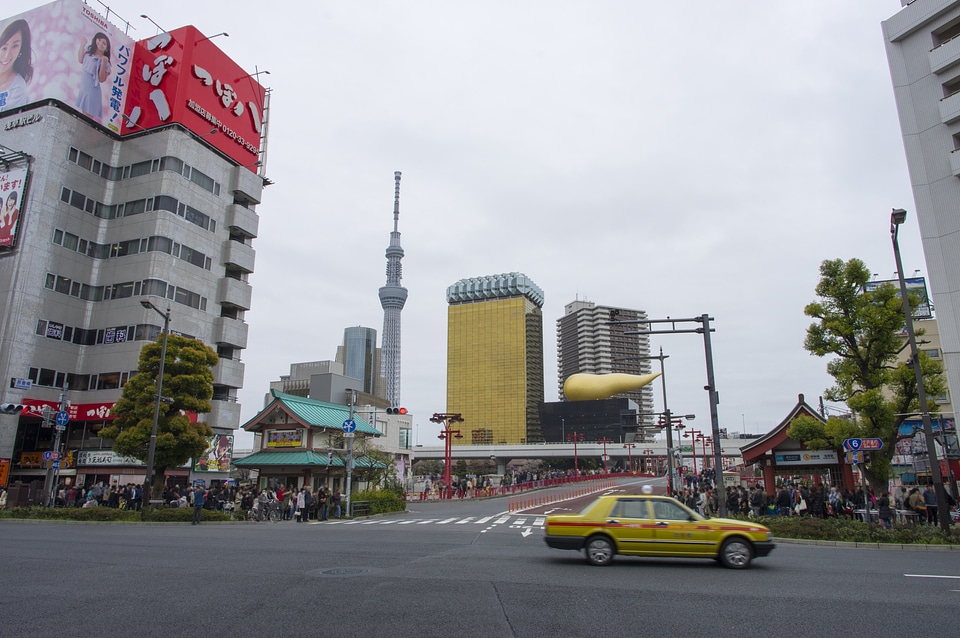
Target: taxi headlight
[{"x": 769, "y": 536}]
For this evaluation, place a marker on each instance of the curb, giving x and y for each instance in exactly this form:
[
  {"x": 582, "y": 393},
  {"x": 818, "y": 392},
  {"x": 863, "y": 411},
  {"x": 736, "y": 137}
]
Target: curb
[{"x": 881, "y": 546}]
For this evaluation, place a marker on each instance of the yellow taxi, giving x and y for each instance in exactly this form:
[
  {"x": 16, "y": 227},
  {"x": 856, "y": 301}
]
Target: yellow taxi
[{"x": 650, "y": 525}]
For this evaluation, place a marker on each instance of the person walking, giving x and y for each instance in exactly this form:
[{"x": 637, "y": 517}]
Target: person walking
[
  {"x": 336, "y": 503},
  {"x": 199, "y": 496}
]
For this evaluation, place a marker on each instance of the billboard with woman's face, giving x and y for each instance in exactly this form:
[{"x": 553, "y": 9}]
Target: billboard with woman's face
[
  {"x": 11, "y": 203},
  {"x": 66, "y": 51}
]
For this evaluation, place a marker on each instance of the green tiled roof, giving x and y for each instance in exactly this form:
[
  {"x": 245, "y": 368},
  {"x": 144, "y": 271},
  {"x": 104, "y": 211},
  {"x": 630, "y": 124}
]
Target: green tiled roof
[
  {"x": 285, "y": 457},
  {"x": 320, "y": 414},
  {"x": 303, "y": 457}
]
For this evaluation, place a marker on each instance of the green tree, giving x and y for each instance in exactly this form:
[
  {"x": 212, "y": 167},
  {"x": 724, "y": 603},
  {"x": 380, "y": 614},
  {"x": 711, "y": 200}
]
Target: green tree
[
  {"x": 187, "y": 383},
  {"x": 863, "y": 330}
]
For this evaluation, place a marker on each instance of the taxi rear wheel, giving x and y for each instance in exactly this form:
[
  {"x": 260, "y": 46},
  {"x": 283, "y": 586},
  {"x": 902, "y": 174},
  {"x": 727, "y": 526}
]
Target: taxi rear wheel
[
  {"x": 736, "y": 553},
  {"x": 599, "y": 550}
]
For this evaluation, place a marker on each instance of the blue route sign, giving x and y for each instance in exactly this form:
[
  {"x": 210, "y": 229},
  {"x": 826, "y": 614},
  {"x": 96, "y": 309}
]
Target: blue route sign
[
  {"x": 63, "y": 418},
  {"x": 349, "y": 425},
  {"x": 853, "y": 444}
]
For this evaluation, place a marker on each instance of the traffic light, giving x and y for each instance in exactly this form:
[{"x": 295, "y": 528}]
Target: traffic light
[
  {"x": 13, "y": 408},
  {"x": 396, "y": 410}
]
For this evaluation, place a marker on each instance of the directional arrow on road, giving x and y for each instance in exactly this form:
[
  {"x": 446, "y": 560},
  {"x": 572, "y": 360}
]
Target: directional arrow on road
[{"x": 526, "y": 532}]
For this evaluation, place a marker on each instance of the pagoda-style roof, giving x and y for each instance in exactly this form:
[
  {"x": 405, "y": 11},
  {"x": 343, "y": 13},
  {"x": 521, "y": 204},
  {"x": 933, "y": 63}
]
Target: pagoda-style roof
[
  {"x": 287, "y": 410},
  {"x": 756, "y": 449}
]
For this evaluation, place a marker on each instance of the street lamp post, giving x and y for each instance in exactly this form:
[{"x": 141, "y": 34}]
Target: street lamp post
[
  {"x": 447, "y": 436},
  {"x": 897, "y": 217},
  {"x": 707, "y": 440},
  {"x": 575, "y": 437},
  {"x": 630, "y": 447},
  {"x": 692, "y": 435},
  {"x": 604, "y": 440},
  {"x": 148, "y": 479}
]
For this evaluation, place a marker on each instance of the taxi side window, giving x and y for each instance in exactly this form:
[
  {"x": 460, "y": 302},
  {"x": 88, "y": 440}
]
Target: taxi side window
[
  {"x": 630, "y": 508},
  {"x": 667, "y": 511}
]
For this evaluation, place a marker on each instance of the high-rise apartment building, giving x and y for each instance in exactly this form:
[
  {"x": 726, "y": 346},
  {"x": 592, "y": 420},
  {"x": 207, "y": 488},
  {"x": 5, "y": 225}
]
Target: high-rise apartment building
[
  {"x": 139, "y": 186},
  {"x": 590, "y": 340},
  {"x": 923, "y": 51},
  {"x": 495, "y": 358}
]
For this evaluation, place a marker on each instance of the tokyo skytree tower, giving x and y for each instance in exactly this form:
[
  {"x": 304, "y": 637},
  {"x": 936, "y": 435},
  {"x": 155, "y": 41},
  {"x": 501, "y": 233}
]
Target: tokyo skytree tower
[{"x": 392, "y": 298}]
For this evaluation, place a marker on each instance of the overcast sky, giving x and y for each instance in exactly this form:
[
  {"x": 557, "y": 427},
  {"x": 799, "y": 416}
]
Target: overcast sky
[{"x": 676, "y": 157}]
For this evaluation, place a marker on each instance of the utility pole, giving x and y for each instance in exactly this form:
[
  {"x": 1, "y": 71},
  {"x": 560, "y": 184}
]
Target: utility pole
[
  {"x": 352, "y": 396},
  {"x": 53, "y": 469}
]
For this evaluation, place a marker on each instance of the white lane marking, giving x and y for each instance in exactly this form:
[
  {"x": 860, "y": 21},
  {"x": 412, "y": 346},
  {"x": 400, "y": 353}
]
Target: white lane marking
[
  {"x": 480, "y": 521},
  {"x": 405, "y": 522},
  {"x": 449, "y": 520},
  {"x": 502, "y": 519},
  {"x": 928, "y": 576},
  {"x": 429, "y": 520},
  {"x": 464, "y": 521},
  {"x": 540, "y": 521}
]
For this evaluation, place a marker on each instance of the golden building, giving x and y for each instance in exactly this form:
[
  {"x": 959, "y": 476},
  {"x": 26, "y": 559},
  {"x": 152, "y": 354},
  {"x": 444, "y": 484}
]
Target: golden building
[{"x": 495, "y": 358}]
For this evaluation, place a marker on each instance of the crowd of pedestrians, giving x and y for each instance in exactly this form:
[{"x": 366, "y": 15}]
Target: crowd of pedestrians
[{"x": 817, "y": 500}]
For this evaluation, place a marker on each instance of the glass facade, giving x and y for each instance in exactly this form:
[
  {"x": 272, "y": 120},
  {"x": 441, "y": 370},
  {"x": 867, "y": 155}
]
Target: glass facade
[
  {"x": 495, "y": 369},
  {"x": 360, "y": 348}
]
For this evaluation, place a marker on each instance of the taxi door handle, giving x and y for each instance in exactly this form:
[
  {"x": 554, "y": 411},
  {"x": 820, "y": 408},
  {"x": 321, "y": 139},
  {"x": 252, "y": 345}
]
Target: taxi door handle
[{"x": 662, "y": 523}]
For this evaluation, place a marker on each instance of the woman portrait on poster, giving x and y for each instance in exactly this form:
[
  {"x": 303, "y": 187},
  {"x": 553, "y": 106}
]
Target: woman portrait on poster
[
  {"x": 16, "y": 65},
  {"x": 95, "y": 60}
]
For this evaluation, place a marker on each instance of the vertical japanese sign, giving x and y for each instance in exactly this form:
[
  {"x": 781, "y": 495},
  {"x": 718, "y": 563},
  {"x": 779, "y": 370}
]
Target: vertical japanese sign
[
  {"x": 68, "y": 52},
  {"x": 11, "y": 204},
  {"x": 182, "y": 76}
]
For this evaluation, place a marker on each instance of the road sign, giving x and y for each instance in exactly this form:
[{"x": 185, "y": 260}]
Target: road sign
[
  {"x": 349, "y": 425},
  {"x": 872, "y": 444},
  {"x": 855, "y": 457},
  {"x": 63, "y": 418},
  {"x": 22, "y": 384},
  {"x": 852, "y": 444},
  {"x": 55, "y": 465},
  {"x": 51, "y": 456}
]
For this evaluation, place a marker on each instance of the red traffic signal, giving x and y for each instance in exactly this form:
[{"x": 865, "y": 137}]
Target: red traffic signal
[
  {"x": 396, "y": 410},
  {"x": 13, "y": 408}
]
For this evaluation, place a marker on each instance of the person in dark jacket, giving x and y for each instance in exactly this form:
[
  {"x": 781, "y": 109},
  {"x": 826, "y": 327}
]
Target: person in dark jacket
[{"x": 884, "y": 511}]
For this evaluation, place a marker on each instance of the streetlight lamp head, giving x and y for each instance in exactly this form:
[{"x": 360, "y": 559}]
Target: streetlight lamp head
[{"x": 898, "y": 216}]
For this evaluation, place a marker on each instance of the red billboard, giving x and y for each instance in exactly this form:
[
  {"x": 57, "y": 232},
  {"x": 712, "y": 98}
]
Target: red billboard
[{"x": 182, "y": 76}]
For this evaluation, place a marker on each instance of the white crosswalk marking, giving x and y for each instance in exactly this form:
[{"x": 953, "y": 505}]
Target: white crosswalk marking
[{"x": 519, "y": 521}]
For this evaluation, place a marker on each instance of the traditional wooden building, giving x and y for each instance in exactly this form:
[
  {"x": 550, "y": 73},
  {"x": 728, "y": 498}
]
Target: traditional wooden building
[
  {"x": 781, "y": 457},
  {"x": 301, "y": 442}
]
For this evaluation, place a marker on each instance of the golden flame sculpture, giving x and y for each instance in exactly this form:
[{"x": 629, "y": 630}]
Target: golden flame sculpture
[{"x": 588, "y": 387}]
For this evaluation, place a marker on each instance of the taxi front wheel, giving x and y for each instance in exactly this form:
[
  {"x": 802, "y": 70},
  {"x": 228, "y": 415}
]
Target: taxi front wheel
[
  {"x": 599, "y": 550},
  {"x": 736, "y": 553}
]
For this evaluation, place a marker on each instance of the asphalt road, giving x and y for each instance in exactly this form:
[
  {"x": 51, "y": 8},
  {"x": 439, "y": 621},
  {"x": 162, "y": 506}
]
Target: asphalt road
[{"x": 443, "y": 569}]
